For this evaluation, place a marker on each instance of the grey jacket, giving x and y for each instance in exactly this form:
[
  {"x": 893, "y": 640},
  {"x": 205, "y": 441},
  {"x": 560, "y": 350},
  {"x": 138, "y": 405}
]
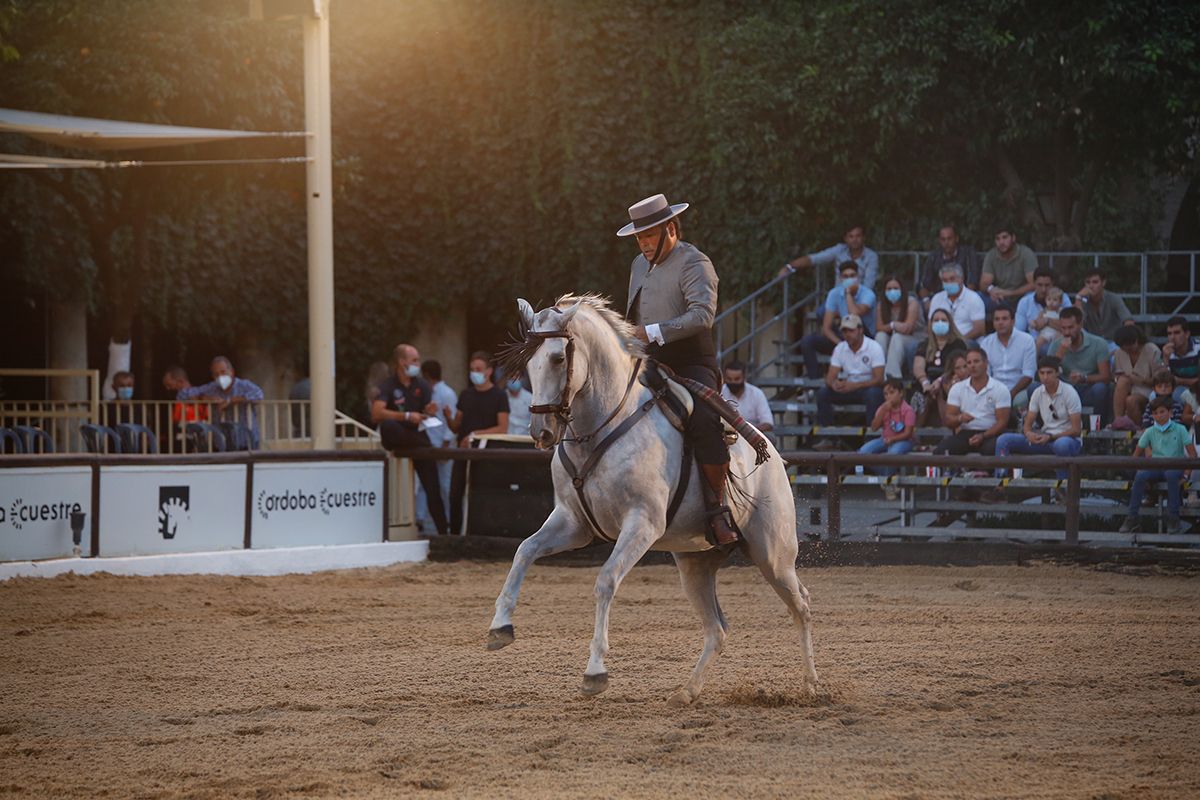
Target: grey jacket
[{"x": 680, "y": 294}]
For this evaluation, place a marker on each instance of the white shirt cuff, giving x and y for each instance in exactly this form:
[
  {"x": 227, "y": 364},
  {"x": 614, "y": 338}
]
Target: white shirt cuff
[{"x": 654, "y": 334}]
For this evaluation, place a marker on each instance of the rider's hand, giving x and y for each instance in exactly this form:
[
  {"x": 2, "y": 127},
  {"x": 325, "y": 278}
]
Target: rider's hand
[{"x": 640, "y": 333}]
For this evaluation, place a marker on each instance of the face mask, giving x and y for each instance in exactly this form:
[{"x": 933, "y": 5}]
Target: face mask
[
  {"x": 940, "y": 327},
  {"x": 225, "y": 381},
  {"x": 849, "y": 283},
  {"x": 736, "y": 388},
  {"x": 514, "y": 386},
  {"x": 893, "y": 295},
  {"x": 1164, "y": 426},
  {"x": 412, "y": 370},
  {"x": 124, "y": 392},
  {"x": 478, "y": 378},
  {"x": 951, "y": 288}
]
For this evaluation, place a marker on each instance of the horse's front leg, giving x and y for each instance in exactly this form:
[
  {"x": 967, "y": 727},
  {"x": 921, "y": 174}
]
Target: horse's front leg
[
  {"x": 558, "y": 533},
  {"x": 638, "y": 533}
]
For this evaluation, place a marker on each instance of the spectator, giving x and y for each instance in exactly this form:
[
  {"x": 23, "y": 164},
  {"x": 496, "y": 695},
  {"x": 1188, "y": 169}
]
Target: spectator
[
  {"x": 848, "y": 297},
  {"x": 852, "y": 248},
  {"x": 1012, "y": 355},
  {"x": 482, "y": 408},
  {"x": 1135, "y": 363},
  {"x": 1103, "y": 313},
  {"x": 442, "y": 436},
  {"x": 1047, "y": 318},
  {"x": 234, "y": 401},
  {"x": 977, "y": 410},
  {"x": 1031, "y": 318},
  {"x": 949, "y": 251},
  {"x": 964, "y": 304},
  {"x": 1182, "y": 353},
  {"x": 1084, "y": 359},
  {"x": 1164, "y": 439},
  {"x": 519, "y": 401},
  {"x": 897, "y": 423},
  {"x": 1183, "y": 410},
  {"x": 402, "y": 409},
  {"x": 377, "y": 373},
  {"x": 956, "y": 372},
  {"x": 1008, "y": 268},
  {"x": 1056, "y": 405},
  {"x": 122, "y": 410},
  {"x": 855, "y": 375},
  {"x": 933, "y": 361},
  {"x": 749, "y": 400},
  {"x": 175, "y": 380},
  {"x": 899, "y": 323}
]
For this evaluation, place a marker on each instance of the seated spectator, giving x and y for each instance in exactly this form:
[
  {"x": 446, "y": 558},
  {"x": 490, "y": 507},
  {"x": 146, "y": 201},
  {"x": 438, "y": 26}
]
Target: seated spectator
[
  {"x": 897, "y": 423},
  {"x": 948, "y": 251},
  {"x": 1012, "y": 355},
  {"x": 1183, "y": 410},
  {"x": 122, "y": 409},
  {"x": 1182, "y": 353},
  {"x": 965, "y": 306},
  {"x": 852, "y": 248},
  {"x": 855, "y": 375},
  {"x": 1103, "y": 313},
  {"x": 519, "y": 401},
  {"x": 1084, "y": 360},
  {"x": 1164, "y": 439},
  {"x": 749, "y": 400},
  {"x": 977, "y": 410},
  {"x": 1055, "y": 405},
  {"x": 1047, "y": 319},
  {"x": 848, "y": 297},
  {"x": 482, "y": 408},
  {"x": 899, "y": 323},
  {"x": 932, "y": 360},
  {"x": 956, "y": 372},
  {"x": 234, "y": 399},
  {"x": 1135, "y": 362},
  {"x": 175, "y": 380},
  {"x": 1032, "y": 316},
  {"x": 1007, "y": 268}
]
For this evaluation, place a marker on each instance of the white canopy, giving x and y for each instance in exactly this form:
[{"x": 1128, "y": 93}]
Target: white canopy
[{"x": 106, "y": 134}]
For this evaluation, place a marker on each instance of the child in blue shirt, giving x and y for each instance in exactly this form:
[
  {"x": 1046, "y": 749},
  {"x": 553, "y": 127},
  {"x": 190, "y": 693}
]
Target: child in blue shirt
[{"x": 1164, "y": 439}]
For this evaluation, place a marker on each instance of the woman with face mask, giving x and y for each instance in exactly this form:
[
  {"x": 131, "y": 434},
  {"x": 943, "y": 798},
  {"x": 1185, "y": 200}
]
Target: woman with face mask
[
  {"x": 898, "y": 325},
  {"x": 933, "y": 360}
]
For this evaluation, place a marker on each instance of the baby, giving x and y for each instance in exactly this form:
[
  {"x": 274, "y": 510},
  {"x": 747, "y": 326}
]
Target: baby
[{"x": 1054, "y": 300}]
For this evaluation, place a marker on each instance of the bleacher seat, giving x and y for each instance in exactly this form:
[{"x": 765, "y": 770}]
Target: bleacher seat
[
  {"x": 10, "y": 442},
  {"x": 34, "y": 439},
  {"x": 137, "y": 438},
  {"x": 100, "y": 438},
  {"x": 204, "y": 438}
]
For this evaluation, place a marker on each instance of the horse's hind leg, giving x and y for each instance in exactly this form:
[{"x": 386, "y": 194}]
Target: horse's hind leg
[
  {"x": 558, "y": 533},
  {"x": 698, "y": 574},
  {"x": 776, "y": 559}
]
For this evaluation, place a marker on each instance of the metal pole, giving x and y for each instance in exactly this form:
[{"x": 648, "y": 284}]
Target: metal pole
[
  {"x": 833, "y": 501},
  {"x": 1071, "y": 525},
  {"x": 319, "y": 193}
]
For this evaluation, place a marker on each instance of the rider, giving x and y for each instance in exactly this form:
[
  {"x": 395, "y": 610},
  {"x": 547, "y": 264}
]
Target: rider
[{"x": 672, "y": 301}]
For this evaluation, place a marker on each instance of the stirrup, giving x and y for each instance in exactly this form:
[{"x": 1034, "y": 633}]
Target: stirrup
[{"x": 711, "y": 513}]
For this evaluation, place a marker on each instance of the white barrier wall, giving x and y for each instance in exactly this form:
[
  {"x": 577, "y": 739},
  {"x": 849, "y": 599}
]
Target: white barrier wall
[
  {"x": 148, "y": 510},
  {"x": 35, "y": 511},
  {"x": 295, "y": 504}
]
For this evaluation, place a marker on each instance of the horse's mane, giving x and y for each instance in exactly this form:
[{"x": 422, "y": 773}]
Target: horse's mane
[{"x": 603, "y": 307}]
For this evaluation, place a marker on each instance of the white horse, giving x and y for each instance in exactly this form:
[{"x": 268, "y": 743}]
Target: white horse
[{"x": 583, "y": 363}]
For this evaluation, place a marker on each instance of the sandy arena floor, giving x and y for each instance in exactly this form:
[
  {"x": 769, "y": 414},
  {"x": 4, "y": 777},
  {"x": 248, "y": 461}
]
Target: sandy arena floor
[{"x": 937, "y": 682}]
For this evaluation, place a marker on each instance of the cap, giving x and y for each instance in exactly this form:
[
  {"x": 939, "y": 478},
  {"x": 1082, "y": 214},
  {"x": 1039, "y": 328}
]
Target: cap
[{"x": 851, "y": 321}]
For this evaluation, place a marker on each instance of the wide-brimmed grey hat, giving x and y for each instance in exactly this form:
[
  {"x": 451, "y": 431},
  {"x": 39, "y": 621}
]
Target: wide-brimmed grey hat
[{"x": 645, "y": 214}]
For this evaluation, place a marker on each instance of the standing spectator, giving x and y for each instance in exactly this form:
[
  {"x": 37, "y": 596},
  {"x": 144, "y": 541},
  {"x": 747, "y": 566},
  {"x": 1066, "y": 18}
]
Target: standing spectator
[
  {"x": 1103, "y": 313},
  {"x": 1182, "y": 353},
  {"x": 1012, "y": 355},
  {"x": 1084, "y": 359},
  {"x": 852, "y": 248},
  {"x": 377, "y": 373},
  {"x": 899, "y": 323},
  {"x": 977, "y": 410},
  {"x": 482, "y": 408},
  {"x": 964, "y": 304},
  {"x": 234, "y": 401},
  {"x": 519, "y": 401},
  {"x": 401, "y": 407},
  {"x": 175, "y": 380},
  {"x": 948, "y": 251},
  {"x": 1056, "y": 404},
  {"x": 1008, "y": 268},
  {"x": 1183, "y": 410},
  {"x": 897, "y": 423},
  {"x": 1031, "y": 318},
  {"x": 855, "y": 375},
  {"x": 848, "y": 297},
  {"x": 933, "y": 360},
  {"x": 1164, "y": 439},
  {"x": 446, "y": 401},
  {"x": 1135, "y": 363},
  {"x": 749, "y": 400}
]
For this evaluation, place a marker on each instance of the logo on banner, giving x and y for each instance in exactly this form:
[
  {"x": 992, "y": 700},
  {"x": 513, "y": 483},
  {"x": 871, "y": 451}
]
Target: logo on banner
[
  {"x": 325, "y": 501},
  {"x": 20, "y": 513},
  {"x": 174, "y": 511}
]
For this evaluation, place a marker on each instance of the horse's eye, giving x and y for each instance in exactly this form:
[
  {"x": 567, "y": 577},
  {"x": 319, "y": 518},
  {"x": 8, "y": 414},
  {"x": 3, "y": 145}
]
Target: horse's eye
[{"x": 558, "y": 358}]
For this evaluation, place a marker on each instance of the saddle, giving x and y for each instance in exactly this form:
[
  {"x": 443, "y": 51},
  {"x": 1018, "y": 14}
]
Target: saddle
[{"x": 675, "y": 400}]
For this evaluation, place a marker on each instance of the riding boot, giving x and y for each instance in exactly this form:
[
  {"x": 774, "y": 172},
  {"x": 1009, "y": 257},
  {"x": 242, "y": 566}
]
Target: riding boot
[{"x": 717, "y": 512}]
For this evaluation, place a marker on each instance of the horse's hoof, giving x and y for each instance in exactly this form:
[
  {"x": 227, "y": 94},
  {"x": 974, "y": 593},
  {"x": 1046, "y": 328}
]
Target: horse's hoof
[
  {"x": 682, "y": 698},
  {"x": 500, "y": 637},
  {"x": 594, "y": 684}
]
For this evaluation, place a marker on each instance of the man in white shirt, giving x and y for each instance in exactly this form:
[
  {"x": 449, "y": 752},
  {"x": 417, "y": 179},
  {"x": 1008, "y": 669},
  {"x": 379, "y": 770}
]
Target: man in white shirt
[
  {"x": 1012, "y": 355},
  {"x": 1056, "y": 404},
  {"x": 964, "y": 304},
  {"x": 748, "y": 399},
  {"x": 977, "y": 410},
  {"x": 855, "y": 375}
]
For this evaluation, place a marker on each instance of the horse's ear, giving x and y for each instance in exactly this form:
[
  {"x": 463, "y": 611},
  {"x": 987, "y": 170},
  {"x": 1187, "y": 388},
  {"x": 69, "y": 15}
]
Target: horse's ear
[
  {"x": 569, "y": 314},
  {"x": 526, "y": 312}
]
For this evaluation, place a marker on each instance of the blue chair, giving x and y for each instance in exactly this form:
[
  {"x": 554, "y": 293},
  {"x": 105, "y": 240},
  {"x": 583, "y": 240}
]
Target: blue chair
[
  {"x": 100, "y": 438},
  {"x": 10, "y": 442},
  {"x": 237, "y": 436},
  {"x": 204, "y": 438},
  {"x": 134, "y": 436},
  {"x": 34, "y": 439}
]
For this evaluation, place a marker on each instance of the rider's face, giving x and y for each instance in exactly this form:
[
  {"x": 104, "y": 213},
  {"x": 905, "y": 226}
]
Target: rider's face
[{"x": 648, "y": 240}]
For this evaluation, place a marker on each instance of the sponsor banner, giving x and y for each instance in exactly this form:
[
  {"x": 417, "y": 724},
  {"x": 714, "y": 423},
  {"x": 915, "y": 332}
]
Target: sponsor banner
[
  {"x": 35, "y": 511},
  {"x": 294, "y": 504},
  {"x": 148, "y": 510}
]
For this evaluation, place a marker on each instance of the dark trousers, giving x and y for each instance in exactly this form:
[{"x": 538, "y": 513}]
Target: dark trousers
[
  {"x": 704, "y": 429},
  {"x": 458, "y": 489},
  {"x": 810, "y": 346},
  {"x": 958, "y": 444},
  {"x": 398, "y": 437},
  {"x": 827, "y": 398}
]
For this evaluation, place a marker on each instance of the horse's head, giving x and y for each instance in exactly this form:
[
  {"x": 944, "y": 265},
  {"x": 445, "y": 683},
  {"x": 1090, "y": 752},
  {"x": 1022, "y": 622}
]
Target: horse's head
[{"x": 556, "y": 370}]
